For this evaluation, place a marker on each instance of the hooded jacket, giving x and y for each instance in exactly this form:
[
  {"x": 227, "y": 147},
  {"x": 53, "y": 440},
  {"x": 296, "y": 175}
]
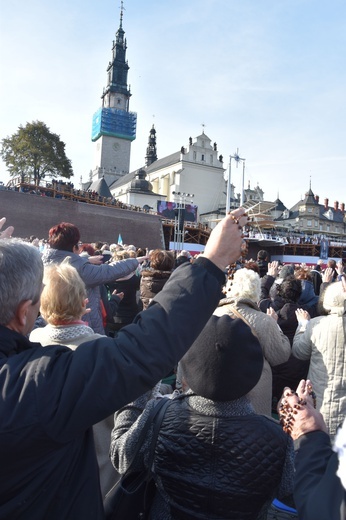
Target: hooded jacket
[
  {"x": 152, "y": 282},
  {"x": 308, "y": 299}
]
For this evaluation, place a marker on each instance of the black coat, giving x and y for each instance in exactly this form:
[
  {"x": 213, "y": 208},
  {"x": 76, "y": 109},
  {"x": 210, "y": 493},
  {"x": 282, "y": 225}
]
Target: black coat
[
  {"x": 318, "y": 492},
  {"x": 51, "y": 396},
  {"x": 215, "y": 460},
  {"x": 293, "y": 370},
  {"x": 128, "y": 307}
]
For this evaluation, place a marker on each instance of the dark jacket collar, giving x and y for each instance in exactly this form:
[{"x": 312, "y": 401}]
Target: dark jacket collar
[{"x": 12, "y": 342}]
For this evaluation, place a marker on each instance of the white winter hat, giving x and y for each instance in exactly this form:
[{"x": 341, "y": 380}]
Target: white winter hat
[{"x": 334, "y": 299}]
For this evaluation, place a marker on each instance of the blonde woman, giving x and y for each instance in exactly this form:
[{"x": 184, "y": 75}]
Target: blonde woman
[{"x": 63, "y": 303}]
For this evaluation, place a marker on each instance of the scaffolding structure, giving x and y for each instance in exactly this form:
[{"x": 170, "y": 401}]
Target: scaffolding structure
[{"x": 115, "y": 123}]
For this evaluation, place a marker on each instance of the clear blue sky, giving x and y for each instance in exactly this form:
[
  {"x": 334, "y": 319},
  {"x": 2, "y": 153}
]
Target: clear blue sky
[{"x": 267, "y": 76}]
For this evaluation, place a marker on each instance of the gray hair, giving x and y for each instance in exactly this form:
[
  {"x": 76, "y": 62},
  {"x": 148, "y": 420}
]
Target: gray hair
[
  {"x": 246, "y": 284},
  {"x": 21, "y": 272}
]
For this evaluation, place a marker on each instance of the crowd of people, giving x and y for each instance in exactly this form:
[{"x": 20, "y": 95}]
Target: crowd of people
[
  {"x": 59, "y": 189},
  {"x": 250, "y": 353},
  {"x": 298, "y": 237}
]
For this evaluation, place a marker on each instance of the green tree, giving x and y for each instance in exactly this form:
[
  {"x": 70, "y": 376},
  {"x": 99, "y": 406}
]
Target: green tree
[{"x": 34, "y": 152}]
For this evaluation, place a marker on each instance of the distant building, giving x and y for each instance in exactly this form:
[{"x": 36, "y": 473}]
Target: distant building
[
  {"x": 310, "y": 217},
  {"x": 255, "y": 194},
  {"x": 195, "y": 170},
  {"x": 139, "y": 191},
  {"x": 278, "y": 209}
]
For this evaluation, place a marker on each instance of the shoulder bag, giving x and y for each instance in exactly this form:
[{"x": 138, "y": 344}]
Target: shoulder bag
[{"x": 132, "y": 496}]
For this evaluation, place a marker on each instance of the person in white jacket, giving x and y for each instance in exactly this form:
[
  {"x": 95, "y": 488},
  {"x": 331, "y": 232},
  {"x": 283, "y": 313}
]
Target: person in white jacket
[{"x": 323, "y": 341}]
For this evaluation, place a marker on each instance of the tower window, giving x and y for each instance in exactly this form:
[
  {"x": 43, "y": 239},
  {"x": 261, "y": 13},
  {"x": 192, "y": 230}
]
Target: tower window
[
  {"x": 202, "y": 157},
  {"x": 118, "y": 101},
  {"x": 194, "y": 156}
]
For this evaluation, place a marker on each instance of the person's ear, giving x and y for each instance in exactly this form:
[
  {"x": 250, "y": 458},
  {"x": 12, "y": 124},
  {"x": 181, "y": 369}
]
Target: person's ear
[
  {"x": 22, "y": 312},
  {"x": 20, "y": 320},
  {"x": 84, "y": 306}
]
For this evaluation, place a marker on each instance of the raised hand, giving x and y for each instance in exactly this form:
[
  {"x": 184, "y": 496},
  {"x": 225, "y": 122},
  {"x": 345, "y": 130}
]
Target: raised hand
[
  {"x": 225, "y": 241},
  {"x": 297, "y": 411},
  {"x": 302, "y": 315},
  {"x": 6, "y": 233}
]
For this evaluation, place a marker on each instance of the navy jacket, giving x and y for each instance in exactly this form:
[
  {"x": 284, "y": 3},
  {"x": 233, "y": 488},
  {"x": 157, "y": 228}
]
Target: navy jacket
[
  {"x": 318, "y": 492},
  {"x": 50, "y": 397}
]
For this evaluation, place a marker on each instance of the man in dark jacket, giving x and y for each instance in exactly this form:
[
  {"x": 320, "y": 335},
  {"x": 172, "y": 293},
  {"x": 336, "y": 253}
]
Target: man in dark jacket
[{"x": 51, "y": 396}]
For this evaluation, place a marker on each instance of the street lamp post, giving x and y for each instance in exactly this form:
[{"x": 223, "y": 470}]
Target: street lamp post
[{"x": 237, "y": 160}]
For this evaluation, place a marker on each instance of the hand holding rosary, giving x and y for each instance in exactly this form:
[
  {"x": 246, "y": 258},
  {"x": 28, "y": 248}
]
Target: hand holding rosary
[{"x": 297, "y": 411}]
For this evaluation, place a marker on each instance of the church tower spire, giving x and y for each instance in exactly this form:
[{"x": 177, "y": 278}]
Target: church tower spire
[
  {"x": 151, "y": 155},
  {"x": 117, "y": 68},
  {"x": 114, "y": 126}
]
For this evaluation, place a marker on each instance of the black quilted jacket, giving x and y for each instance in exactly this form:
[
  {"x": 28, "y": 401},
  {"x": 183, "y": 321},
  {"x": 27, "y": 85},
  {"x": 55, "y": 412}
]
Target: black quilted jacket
[{"x": 212, "y": 460}]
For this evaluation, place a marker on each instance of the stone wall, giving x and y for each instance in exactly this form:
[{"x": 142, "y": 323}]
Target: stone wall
[{"x": 35, "y": 215}]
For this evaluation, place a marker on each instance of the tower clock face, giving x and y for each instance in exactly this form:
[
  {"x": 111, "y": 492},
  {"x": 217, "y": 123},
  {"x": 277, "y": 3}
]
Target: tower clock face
[{"x": 116, "y": 147}]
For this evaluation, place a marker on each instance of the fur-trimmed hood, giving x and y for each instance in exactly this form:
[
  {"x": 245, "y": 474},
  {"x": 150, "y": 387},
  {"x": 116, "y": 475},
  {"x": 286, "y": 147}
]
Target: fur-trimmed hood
[
  {"x": 152, "y": 282},
  {"x": 155, "y": 273}
]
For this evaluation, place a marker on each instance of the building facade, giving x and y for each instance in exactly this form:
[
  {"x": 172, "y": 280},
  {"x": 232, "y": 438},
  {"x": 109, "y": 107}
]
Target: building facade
[
  {"x": 196, "y": 170},
  {"x": 310, "y": 217}
]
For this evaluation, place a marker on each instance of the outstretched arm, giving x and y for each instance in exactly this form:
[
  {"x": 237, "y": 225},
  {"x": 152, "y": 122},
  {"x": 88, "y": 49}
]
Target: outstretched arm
[{"x": 143, "y": 352}]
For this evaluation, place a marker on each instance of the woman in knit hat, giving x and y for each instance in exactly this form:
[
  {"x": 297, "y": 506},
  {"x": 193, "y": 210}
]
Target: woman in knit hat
[{"x": 214, "y": 456}]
